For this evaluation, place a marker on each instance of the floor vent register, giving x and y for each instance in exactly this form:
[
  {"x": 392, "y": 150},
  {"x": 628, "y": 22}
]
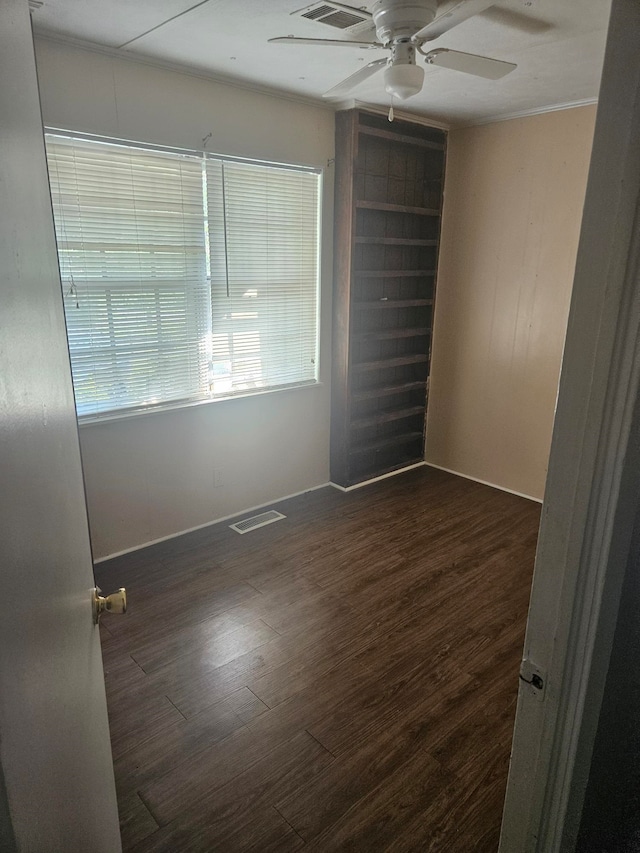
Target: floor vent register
[{"x": 261, "y": 520}]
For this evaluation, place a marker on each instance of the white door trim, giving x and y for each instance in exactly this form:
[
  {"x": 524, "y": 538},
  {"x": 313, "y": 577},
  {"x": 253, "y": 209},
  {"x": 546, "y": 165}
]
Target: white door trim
[{"x": 591, "y": 493}]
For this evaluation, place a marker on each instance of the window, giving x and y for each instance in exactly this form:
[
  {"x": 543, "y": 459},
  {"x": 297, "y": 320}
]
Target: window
[{"x": 186, "y": 277}]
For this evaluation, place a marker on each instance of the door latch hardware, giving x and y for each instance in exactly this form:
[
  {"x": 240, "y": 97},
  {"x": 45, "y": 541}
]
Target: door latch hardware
[
  {"x": 114, "y": 603},
  {"x": 533, "y": 675}
]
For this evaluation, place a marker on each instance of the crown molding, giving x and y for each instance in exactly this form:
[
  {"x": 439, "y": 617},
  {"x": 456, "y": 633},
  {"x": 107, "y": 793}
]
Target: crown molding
[{"x": 534, "y": 111}]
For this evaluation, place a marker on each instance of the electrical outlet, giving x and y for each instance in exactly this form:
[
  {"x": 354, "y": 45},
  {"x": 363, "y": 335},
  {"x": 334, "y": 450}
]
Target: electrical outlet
[{"x": 218, "y": 478}]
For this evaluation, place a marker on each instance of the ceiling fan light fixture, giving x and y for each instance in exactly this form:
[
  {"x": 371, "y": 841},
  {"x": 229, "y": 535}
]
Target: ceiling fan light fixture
[{"x": 403, "y": 81}]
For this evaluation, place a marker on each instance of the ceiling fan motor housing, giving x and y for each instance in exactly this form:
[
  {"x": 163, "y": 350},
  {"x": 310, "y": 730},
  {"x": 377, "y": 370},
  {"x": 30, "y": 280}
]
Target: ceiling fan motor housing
[{"x": 401, "y": 18}]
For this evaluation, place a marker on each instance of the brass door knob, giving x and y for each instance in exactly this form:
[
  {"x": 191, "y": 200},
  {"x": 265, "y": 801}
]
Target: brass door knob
[{"x": 114, "y": 603}]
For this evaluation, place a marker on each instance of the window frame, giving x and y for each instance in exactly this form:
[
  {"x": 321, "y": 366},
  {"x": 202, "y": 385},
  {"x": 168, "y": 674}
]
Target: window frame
[{"x": 144, "y": 410}]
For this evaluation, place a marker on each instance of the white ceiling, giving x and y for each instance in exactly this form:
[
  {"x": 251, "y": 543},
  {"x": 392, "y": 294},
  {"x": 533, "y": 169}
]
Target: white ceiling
[{"x": 557, "y": 44}]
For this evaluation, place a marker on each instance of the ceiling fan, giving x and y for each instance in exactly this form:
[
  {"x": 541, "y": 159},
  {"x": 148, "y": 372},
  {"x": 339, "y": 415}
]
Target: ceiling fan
[{"x": 403, "y": 27}]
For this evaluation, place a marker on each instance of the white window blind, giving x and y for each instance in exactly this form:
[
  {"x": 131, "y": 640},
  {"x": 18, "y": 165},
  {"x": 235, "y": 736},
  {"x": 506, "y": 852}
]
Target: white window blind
[
  {"x": 131, "y": 244},
  {"x": 184, "y": 278},
  {"x": 263, "y": 233}
]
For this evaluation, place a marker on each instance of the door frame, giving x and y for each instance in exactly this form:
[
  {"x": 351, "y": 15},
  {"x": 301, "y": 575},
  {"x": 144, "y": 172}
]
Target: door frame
[{"x": 591, "y": 494}]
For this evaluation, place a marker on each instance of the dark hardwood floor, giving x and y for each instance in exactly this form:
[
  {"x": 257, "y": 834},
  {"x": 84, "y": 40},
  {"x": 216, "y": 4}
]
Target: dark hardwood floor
[{"x": 342, "y": 680}]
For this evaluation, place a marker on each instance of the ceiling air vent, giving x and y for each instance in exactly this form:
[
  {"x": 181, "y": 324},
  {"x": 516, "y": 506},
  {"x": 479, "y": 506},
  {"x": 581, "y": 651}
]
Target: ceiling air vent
[
  {"x": 334, "y": 17},
  {"x": 318, "y": 12},
  {"x": 256, "y": 521}
]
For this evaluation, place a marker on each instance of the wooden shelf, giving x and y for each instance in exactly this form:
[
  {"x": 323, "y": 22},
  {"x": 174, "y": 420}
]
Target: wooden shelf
[
  {"x": 402, "y": 138},
  {"x": 397, "y": 208},
  {"x": 387, "y": 441},
  {"x": 392, "y": 334},
  {"x": 389, "y": 389},
  {"x": 393, "y": 303},
  {"x": 386, "y": 416},
  {"x": 386, "y": 256},
  {"x": 384, "y": 363},
  {"x": 395, "y": 241},
  {"x": 393, "y": 273}
]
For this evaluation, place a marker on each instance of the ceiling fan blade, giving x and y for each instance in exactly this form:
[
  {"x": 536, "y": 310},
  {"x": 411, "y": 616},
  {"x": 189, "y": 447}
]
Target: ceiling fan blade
[
  {"x": 455, "y": 15},
  {"x": 351, "y": 82},
  {"x": 469, "y": 63},
  {"x": 366, "y": 45}
]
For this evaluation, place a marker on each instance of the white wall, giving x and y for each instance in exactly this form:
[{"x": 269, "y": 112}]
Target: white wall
[
  {"x": 514, "y": 193},
  {"x": 151, "y": 476}
]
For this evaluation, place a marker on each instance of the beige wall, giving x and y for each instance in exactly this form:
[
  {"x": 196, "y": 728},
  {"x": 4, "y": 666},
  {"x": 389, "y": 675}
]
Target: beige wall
[
  {"x": 513, "y": 204},
  {"x": 152, "y": 476}
]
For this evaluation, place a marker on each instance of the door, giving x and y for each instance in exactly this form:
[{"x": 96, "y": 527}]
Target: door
[
  {"x": 593, "y": 488},
  {"x": 57, "y": 790}
]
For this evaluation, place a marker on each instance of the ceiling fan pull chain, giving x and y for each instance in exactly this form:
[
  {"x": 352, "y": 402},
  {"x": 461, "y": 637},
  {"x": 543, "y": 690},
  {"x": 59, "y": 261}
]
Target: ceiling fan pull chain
[{"x": 391, "y": 110}]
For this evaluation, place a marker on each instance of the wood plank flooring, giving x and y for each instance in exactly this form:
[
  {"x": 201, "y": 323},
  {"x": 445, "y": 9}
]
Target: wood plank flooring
[{"x": 342, "y": 680}]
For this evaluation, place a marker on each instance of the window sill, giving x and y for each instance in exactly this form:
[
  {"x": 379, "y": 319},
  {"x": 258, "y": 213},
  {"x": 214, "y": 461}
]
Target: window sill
[{"x": 163, "y": 408}]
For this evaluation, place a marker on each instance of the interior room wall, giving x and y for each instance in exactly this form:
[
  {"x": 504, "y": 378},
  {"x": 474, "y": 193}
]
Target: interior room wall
[
  {"x": 514, "y": 193},
  {"x": 155, "y": 475}
]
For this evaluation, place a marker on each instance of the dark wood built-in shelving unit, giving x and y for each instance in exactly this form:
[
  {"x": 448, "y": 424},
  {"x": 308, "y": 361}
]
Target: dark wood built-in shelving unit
[{"x": 389, "y": 182}]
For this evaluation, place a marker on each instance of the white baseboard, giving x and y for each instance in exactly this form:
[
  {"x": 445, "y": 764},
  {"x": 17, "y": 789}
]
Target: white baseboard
[
  {"x": 377, "y": 479},
  {"x": 485, "y": 483},
  {"x": 208, "y": 524},
  {"x": 304, "y": 491}
]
